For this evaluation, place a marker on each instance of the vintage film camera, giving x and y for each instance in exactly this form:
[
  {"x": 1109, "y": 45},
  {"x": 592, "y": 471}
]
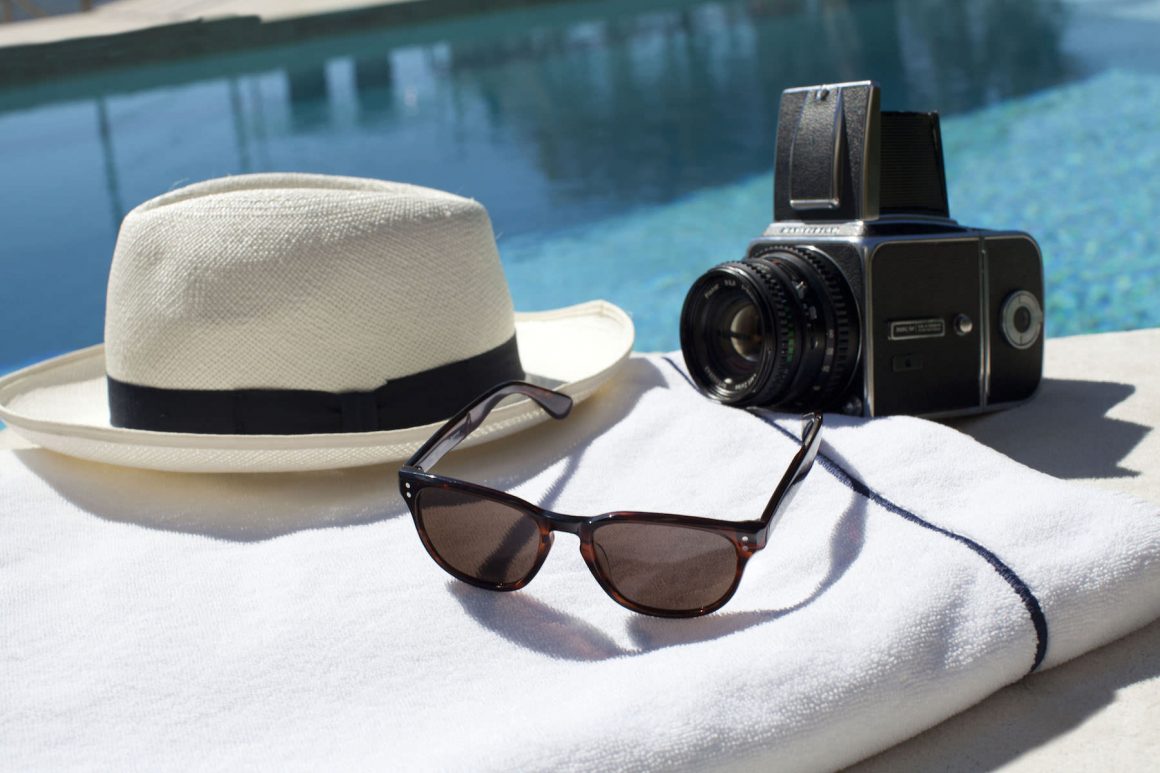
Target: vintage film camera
[{"x": 863, "y": 295}]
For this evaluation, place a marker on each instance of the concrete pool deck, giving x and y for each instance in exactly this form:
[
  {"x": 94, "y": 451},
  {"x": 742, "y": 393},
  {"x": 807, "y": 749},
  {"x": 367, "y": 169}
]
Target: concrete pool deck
[
  {"x": 133, "y": 32},
  {"x": 129, "y": 16}
]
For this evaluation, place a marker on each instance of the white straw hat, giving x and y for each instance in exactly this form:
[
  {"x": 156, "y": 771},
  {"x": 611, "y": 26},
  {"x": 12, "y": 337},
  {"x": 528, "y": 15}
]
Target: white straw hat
[{"x": 280, "y": 322}]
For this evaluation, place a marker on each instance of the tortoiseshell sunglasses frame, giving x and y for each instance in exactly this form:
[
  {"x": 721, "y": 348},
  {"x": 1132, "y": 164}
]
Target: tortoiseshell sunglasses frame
[{"x": 747, "y": 537}]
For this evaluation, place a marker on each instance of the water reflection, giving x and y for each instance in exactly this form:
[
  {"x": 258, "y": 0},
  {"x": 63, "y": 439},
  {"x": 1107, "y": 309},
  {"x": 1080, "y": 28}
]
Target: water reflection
[
  {"x": 374, "y": 81},
  {"x": 561, "y": 121},
  {"x": 112, "y": 186},
  {"x": 630, "y": 110},
  {"x": 308, "y": 96},
  {"x": 241, "y": 135}
]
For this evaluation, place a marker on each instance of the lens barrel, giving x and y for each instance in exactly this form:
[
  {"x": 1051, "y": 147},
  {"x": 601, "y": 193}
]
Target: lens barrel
[{"x": 778, "y": 329}]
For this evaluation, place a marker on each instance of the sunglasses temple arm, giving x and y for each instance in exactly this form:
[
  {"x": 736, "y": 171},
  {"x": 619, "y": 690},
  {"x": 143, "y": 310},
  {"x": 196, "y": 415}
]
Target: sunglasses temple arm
[
  {"x": 468, "y": 420},
  {"x": 803, "y": 460}
]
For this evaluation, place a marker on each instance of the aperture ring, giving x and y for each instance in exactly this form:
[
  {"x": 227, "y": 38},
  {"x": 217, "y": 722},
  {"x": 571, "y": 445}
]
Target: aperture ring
[
  {"x": 846, "y": 328},
  {"x": 828, "y": 292}
]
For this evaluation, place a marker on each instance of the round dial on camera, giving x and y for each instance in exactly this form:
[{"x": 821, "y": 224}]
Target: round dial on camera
[{"x": 1021, "y": 319}]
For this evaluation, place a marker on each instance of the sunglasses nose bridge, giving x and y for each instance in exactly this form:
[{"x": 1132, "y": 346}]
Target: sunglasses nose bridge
[{"x": 571, "y": 524}]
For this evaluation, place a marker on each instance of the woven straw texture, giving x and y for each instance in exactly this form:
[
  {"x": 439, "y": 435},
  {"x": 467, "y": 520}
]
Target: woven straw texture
[{"x": 292, "y": 281}]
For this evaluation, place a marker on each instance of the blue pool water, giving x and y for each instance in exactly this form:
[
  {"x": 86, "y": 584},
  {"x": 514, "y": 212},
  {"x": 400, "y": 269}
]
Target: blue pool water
[{"x": 619, "y": 152}]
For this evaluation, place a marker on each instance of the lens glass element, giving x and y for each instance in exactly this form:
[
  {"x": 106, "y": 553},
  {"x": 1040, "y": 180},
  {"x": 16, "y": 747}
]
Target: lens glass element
[
  {"x": 488, "y": 540},
  {"x": 735, "y": 335},
  {"x": 673, "y": 568},
  {"x": 745, "y": 332}
]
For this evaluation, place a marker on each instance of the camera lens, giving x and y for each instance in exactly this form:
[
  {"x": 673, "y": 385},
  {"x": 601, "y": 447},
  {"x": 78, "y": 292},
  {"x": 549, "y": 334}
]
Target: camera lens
[{"x": 777, "y": 329}]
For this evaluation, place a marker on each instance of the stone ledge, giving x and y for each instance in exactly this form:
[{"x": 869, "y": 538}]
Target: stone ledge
[{"x": 135, "y": 32}]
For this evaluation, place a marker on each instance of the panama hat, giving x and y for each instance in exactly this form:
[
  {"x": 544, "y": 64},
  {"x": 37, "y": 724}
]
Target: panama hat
[{"x": 277, "y": 322}]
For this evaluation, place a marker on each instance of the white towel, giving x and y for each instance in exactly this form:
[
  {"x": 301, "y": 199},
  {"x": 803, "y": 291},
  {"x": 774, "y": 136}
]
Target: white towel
[{"x": 295, "y": 622}]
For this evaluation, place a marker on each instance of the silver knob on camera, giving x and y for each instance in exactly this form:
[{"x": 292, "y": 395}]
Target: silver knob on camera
[{"x": 1021, "y": 319}]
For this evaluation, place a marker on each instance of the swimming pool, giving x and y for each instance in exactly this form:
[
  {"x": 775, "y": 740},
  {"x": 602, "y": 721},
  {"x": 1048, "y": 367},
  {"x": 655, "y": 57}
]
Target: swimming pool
[{"x": 619, "y": 153}]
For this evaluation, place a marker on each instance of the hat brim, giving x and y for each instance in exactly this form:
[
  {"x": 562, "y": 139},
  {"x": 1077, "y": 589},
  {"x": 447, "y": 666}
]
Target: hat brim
[{"x": 62, "y": 405}]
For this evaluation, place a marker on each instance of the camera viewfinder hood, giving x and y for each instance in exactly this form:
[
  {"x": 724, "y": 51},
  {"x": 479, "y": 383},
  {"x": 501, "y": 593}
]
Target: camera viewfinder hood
[{"x": 841, "y": 158}]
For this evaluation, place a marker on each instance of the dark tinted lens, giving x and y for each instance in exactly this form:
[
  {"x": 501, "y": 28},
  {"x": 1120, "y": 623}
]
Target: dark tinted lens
[
  {"x": 481, "y": 538},
  {"x": 666, "y": 567}
]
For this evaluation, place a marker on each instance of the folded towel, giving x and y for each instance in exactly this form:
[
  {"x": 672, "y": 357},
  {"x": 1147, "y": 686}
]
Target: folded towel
[{"x": 295, "y": 621}]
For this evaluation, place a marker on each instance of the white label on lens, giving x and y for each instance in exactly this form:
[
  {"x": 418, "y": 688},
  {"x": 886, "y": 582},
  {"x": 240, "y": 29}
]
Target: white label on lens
[{"x": 905, "y": 329}]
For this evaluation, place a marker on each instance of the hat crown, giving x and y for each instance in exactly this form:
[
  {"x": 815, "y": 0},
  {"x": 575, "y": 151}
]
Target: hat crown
[{"x": 306, "y": 282}]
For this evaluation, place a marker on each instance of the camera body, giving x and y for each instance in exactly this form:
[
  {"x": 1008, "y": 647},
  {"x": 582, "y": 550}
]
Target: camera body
[{"x": 863, "y": 295}]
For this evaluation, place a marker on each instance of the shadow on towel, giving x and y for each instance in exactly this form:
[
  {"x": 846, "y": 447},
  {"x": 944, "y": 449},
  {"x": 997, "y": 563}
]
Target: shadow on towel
[
  {"x": 1064, "y": 431},
  {"x": 249, "y": 507},
  {"x": 240, "y": 507},
  {"x": 1030, "y": 713},
  {"x": 525, "y": 621}
]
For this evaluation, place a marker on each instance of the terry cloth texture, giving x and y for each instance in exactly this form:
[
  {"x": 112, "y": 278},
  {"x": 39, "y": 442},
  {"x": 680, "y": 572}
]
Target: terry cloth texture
[{"x": 294, "y": 621}]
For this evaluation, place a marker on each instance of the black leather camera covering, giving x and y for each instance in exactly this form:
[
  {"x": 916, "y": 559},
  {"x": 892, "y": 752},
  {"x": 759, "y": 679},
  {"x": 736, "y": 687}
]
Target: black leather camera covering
[
  {"x": 853, "y": 131},
  {"x": 919, "y": 280},
  {"x": 912, "y": 180},
  {"x": 1013, "y": 264}
]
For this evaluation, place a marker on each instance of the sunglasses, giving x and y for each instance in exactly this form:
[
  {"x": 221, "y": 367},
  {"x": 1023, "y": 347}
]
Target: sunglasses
[{"x": 653, "y": 563}]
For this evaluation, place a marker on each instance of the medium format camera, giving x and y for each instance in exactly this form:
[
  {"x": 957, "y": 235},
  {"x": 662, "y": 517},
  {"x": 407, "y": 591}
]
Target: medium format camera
[{"x": 863, "y": 295}]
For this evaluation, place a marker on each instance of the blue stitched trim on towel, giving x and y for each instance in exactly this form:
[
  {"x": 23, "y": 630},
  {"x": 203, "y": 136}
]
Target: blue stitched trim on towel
[{"x": 847, "y": 479}]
